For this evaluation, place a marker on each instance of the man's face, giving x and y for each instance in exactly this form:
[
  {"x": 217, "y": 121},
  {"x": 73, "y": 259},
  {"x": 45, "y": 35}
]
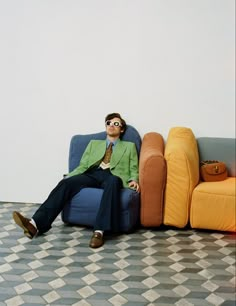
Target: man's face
[{"x": 114, "y": 127}]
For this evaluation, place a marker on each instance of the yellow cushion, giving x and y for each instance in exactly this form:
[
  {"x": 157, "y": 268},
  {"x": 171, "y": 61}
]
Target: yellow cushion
[
  {"x": 181, "y": 154},
  {"x": 214, "y": 205}
]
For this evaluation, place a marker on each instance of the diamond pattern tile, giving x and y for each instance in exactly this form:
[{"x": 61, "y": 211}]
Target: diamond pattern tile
[{"x": 149, "y": 267}]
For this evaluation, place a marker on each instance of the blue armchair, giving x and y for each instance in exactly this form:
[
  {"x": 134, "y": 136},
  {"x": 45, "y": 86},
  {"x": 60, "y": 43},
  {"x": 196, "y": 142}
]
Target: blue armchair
[{"x": 83, "y": 207}]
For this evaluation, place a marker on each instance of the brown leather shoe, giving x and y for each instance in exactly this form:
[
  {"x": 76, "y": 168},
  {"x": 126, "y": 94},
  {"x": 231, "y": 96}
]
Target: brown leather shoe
[
  {"x": 96, "y": 240},
  {"x": 29, "y": 229}
]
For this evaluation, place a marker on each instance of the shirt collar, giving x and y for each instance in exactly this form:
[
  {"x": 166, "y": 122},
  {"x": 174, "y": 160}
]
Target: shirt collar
[{"x": 114, "y": 142}]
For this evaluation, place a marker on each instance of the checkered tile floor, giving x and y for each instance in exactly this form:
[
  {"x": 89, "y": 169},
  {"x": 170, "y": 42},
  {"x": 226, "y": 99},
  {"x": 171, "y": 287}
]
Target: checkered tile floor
[{"x": 148, "y": 267}]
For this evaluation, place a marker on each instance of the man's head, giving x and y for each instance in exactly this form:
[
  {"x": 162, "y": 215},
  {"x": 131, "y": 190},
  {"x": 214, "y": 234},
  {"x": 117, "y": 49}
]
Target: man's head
[{"x": 115, "y": 125}]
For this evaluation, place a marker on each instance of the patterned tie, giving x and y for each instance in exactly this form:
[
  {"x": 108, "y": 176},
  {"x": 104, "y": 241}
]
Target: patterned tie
[{"x": 107, "y": 157}]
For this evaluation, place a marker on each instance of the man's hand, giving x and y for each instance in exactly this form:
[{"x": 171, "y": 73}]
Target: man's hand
[{"x": 134, "y": 185}]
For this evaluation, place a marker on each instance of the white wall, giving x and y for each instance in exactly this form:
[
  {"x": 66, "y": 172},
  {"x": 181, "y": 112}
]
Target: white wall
[{"x": 65, "y": 64}]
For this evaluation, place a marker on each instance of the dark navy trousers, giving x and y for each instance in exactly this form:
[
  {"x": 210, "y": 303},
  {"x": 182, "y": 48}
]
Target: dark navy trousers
[{"x": 108, "y": 214}]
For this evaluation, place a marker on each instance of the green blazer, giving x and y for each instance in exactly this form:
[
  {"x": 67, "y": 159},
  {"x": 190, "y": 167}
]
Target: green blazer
[{"x": 123, "y": 163}]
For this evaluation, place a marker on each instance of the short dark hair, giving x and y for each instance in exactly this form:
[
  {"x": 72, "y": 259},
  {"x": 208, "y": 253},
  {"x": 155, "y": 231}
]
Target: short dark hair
[{"x": 117, "y": 115}]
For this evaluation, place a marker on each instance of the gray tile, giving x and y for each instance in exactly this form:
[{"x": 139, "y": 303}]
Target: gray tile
[{"x": 146, "y": 268}]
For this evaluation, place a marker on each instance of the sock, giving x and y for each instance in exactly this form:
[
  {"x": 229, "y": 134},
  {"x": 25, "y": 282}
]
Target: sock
[{"x": 99, "y": 231}]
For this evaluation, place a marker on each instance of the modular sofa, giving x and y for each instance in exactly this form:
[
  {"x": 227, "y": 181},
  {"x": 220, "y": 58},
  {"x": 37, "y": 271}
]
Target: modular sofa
[{"x": 188, "y": 200}]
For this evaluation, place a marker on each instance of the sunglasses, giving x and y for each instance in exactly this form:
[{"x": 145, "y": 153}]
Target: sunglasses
[{"x": 115, "y": 123}]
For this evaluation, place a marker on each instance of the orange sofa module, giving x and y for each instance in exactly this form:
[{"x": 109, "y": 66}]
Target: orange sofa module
[{"x": 152, "y": 178}]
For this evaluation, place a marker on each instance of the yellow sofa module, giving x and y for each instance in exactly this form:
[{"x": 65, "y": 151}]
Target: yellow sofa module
[
  {"x": 182, "y": 160},
  {"x": 213, "y": 204},
  {"x": 188, "y": 200}
]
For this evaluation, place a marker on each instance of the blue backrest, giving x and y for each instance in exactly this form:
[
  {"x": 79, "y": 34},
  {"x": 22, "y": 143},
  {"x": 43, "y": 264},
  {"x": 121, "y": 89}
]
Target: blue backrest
[{"x": 79, "y": 143}]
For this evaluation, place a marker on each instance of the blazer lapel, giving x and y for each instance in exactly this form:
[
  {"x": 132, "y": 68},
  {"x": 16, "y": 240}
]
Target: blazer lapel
[
  {"x": 119, "y": 150},
  {"x": 100, "y": 150},
  {"x": 97, "y": 151}
]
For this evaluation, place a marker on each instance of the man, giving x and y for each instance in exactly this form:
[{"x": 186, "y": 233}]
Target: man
[{"x": 109, "y": 164}]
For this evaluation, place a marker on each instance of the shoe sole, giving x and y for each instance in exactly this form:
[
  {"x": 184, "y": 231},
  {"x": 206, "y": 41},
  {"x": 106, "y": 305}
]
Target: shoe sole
[{"x": 18, "y": 221}]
